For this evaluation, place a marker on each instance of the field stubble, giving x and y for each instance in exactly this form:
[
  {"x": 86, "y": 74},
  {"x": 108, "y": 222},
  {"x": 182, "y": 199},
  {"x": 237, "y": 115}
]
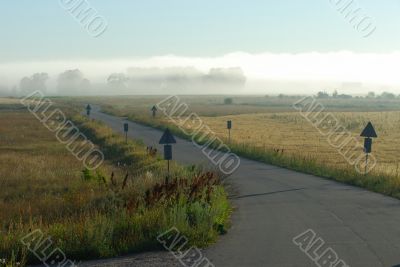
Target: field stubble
[{"x": 291, "y": 134}]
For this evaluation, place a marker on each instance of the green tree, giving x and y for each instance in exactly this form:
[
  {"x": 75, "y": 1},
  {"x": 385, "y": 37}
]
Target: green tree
[{"x": 228, "y": 101}]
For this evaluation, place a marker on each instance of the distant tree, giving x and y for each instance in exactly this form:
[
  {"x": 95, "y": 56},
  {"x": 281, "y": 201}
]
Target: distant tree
[
  {"x": 344, "y": 96},
  {"x": 118, "y": 80},
  {"x": 72, "y": 82},
  {"x": 37, "y": 82},
  {"x": 335, "y": 94},
  {"x": 322, "y": 95},
  {"x": 228, "y": 101},
  {"x": 387, "y": 95},
  {"x": 281, "y": 96},
  {"x": 371, "y": 95},
  {"x": 226, "y": 75},
  {"x": 85, "y": 83}
]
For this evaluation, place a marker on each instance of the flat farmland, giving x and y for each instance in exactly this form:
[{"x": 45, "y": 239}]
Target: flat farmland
[
  {"x": 9, "y": 101},
  {"x": 271, "y": 125},
  {"x": 293, "y": 135}
]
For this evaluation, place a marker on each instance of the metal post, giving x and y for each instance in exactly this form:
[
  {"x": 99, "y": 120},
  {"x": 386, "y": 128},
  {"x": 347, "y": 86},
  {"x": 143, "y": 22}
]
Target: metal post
[
  {"x": 167, "y": 178},
  {"x": 229, "y": 127},
  {"x": 126, "y": 137},
  {"x": 167, "y": 139},
  {"x": 366, "y": 163}
]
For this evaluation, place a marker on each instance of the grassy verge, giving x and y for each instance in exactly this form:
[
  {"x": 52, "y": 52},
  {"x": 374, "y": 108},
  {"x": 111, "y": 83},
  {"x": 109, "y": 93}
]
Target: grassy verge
[
  {"x": 118, "y": 209},
  {"x": 374, "y": 181}
]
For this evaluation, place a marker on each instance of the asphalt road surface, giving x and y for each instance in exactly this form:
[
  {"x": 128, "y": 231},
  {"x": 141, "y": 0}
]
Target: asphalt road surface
[{"x": 274, "y": 205}]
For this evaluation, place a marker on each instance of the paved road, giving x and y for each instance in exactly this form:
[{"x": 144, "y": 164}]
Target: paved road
[{"x": 273, "y": 205}]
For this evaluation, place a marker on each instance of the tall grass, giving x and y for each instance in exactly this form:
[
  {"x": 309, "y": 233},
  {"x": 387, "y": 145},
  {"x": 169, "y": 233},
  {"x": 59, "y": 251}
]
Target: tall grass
[{"x": 119, "y": 208}]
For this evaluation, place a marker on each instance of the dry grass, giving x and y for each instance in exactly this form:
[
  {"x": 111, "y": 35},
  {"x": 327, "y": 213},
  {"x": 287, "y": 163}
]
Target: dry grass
[
  {"x": 292, "y": 134},
  {"x": 95, "y": 214},
  {"x": 4, "y": 100},
  {"x": 211, "y": 106},
  {"x": 283, "y": 137},
  {"x": 37, "y": 172},
  {"x": 271, "y": 124}
]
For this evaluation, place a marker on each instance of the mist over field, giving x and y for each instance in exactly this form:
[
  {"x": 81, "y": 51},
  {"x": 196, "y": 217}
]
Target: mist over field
[
  {"x": 200, "y": 133},
  {"x": 177, "y": 80},
  {"x": 235, "y": 73}
]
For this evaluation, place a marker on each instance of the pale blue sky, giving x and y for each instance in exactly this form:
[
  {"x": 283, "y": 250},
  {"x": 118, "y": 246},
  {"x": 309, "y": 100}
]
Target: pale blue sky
[{"x": 34, "y": 30}]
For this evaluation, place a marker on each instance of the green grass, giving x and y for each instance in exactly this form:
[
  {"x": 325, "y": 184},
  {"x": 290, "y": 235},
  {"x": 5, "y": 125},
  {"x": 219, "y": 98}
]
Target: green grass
[{"x": 99, "y": 215}]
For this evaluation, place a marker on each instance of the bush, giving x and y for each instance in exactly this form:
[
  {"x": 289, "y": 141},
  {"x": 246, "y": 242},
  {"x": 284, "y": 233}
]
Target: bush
[{"x": 228, "y": 101}]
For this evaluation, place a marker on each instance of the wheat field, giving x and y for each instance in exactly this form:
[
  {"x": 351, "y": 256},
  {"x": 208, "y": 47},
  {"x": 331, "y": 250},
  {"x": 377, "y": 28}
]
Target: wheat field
[
  {"x": 9, "y": 100},
  {"x": 292, "y": 134}
]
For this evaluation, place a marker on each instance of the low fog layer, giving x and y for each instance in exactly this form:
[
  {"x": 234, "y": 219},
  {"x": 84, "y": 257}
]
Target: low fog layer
[
  {"x": 135, "y": 81},
  {"x": 236, "y": 73}
]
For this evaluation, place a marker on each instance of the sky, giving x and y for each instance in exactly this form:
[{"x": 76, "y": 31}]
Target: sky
[{"x": 298, "y": 37}]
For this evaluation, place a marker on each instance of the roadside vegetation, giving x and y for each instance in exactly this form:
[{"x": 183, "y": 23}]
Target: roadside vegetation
[
  {"x": 215, "y": 106},
  {"x": 119, "y": 208},
  {"x": 288, "y": 140}
]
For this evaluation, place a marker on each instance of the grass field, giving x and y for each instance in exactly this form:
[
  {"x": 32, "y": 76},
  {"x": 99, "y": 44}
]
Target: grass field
[
  {"x": 9, "y": 101},
  {"x": 292, "y": 134},
  {"x": 213, "y": 106},
  {"x": 94, "y": 214}
]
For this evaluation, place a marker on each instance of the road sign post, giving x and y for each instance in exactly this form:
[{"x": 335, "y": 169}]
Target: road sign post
[
  {"x": 126, "y": 129},
  {"x": 167, "y": 139},
  {"x": 154, "y": 111},
  {"x": 229, "y": 127},
  {"x": 168, "y": 155},
  {"x": 368, "y": 133},
  {"x": 88, "y": 109}
]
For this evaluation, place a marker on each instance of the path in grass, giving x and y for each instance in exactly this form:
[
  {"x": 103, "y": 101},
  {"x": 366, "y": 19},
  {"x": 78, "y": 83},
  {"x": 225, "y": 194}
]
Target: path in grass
[{"x": 274, "y": 205}]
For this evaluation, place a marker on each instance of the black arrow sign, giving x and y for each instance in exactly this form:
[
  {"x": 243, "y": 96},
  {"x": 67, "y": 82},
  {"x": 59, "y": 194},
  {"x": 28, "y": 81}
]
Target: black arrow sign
[
  {"x": 167, "y": 138},
  {"x": 369, "y": 131},
  {"x": 154, "y": 110}
]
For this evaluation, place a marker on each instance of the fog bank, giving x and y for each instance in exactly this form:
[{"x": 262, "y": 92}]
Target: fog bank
[{"x": 235, "y": 73}]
